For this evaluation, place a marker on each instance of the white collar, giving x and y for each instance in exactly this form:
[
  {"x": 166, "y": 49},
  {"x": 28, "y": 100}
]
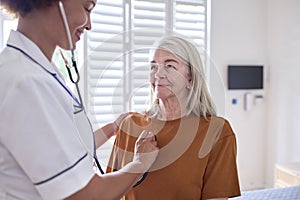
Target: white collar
[{"x": 23, "y": 43}]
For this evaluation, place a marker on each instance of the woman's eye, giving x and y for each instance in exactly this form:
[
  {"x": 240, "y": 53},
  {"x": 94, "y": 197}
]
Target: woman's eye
[
  {"x": 170, "y": 67},
  {"x": 153, "y": 66}
]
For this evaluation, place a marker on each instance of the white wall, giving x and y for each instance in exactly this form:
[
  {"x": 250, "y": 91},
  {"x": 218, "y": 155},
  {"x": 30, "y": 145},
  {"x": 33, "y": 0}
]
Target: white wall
[
  {"x": 1, "y": 33},
  {"x": 238, "y": 36},
  {"x": 260, "y": 32},
  {"x": 283, "y": 115}
]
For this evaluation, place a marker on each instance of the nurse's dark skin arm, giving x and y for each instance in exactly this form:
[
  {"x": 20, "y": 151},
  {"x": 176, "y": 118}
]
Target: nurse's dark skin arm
[
  {"x": 218, "y": 199},
  {"x": 109, "y": 186},
  {"x": 114, "y": 185},
  {"x": 103, "y": 134}
]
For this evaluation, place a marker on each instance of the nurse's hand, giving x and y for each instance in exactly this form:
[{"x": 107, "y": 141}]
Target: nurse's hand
[
  {"x": 114, "y": 185},
  {"x": 104, "y": 133},
  {"x": 146, "y": 150},
  {"x": 116, "y": 124}
]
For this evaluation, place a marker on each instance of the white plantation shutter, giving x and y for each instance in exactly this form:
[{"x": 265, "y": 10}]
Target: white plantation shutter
[
  {"x": 104, "y": 80},
  {"x": 117, "y": 55},
  {"x": 190, "y": 20},
  {"x": 148, "y": 25}
]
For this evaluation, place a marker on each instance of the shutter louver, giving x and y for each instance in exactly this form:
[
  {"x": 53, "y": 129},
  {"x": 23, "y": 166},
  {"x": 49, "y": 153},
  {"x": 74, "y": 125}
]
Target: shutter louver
[
  {"x": 105, "y": 61},
  {"x": 104, "y": 77},
  {"x": 148, "y": 24},
  {"x": 190, "y": 20}
]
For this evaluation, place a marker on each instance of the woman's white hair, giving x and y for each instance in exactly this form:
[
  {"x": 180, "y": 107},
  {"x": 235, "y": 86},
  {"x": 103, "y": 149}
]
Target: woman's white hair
[{"x": 199, "y": 101}]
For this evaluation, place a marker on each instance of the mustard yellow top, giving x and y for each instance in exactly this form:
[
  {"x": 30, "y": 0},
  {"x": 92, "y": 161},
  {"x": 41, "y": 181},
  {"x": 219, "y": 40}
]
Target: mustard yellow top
[{"x": 197, "y": 158}]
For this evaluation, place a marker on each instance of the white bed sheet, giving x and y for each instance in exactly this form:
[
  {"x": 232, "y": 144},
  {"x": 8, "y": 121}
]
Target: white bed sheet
[{"x": 288, "y": 193}]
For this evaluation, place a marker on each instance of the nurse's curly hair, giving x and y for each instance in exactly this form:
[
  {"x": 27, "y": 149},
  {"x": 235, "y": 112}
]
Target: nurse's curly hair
[{"x": 22, "y": 7}]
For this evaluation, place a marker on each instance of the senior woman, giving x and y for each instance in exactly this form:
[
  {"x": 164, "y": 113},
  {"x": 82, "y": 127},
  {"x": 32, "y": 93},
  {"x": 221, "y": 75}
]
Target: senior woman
[{"x": 197, "y": 158}]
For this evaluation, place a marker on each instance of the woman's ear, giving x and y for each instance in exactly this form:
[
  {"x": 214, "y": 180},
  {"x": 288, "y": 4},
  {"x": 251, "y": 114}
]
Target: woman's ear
[
  {"x": 190, "y": 78},
  {"x": 189, "y": 85}
]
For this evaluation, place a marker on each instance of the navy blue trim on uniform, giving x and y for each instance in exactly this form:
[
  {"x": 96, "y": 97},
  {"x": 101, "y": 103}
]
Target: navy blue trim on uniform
[
  {"x": 80, "y": 105},
  {"x": 28, "y": 56},
  {"x": 53, "y": 74},
  {"x": 68, "y": 91},
  {"x": 60, "y": 173}
]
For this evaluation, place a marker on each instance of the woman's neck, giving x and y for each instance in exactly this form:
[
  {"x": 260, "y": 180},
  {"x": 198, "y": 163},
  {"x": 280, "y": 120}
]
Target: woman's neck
[{"x": 171, "y": 109}]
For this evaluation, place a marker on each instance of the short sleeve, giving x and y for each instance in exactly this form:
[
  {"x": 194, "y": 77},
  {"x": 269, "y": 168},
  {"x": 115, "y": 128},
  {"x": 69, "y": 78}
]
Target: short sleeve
[
  {"x": 123, "y": 148},
  {"x": 120, "y": 154},
  {"x": 221, "y": 175},
  {"x": 42, "y": 136},
  {"x": 113, "y": 159}
]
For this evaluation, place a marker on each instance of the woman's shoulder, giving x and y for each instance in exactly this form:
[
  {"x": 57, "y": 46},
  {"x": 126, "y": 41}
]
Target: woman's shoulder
[
  {"x": 215, "y": 120},
  {"x": 135, "y": 121},
  {"x": 138, "y": 118},
  {"x": 218, "y": 124}
]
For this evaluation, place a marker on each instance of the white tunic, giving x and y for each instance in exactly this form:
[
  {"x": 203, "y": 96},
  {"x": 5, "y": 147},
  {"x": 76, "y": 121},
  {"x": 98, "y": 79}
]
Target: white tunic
[{"x": 41, "y": 154}]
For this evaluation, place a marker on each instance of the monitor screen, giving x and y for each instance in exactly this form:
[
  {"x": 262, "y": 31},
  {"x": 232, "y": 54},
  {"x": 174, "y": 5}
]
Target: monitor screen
[{"x": 245, "y": 77}]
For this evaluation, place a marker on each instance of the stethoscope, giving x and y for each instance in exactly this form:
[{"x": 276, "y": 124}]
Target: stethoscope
[
  {"x": 75, "y": 82},
  {"x": 74, "y": 65},
  {"x": 79, "y": 102}
]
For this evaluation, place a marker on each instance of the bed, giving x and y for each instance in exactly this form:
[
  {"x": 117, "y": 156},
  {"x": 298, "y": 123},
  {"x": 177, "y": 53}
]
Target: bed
[{"x": 287, "y": 193}]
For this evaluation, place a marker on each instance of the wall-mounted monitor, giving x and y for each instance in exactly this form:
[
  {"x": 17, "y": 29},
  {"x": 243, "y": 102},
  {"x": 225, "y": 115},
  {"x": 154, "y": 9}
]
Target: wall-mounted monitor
[{"x": 245, "y": 77}]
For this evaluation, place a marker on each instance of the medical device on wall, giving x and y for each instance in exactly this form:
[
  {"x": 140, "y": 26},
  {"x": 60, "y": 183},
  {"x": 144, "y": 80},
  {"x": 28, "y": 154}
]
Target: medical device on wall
[
  {"x": 245, "y": 77},
  {"x": 248, "y": 79}
]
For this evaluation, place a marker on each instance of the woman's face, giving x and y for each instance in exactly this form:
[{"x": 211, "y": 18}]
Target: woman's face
[
  {"x": 170, "y": 76},
  {"x": 78, "y": 16}
]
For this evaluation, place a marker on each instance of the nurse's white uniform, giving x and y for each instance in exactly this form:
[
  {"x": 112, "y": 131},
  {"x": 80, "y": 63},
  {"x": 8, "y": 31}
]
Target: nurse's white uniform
[{"x": 41, "y": 154}]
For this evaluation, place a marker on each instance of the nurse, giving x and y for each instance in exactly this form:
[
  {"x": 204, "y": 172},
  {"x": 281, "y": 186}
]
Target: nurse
[{"x": 46, "y": 142}]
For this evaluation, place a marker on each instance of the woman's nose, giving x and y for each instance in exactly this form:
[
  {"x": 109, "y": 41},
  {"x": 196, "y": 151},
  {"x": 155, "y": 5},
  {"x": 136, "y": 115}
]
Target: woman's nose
[{"x": 160, "y": 72}]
